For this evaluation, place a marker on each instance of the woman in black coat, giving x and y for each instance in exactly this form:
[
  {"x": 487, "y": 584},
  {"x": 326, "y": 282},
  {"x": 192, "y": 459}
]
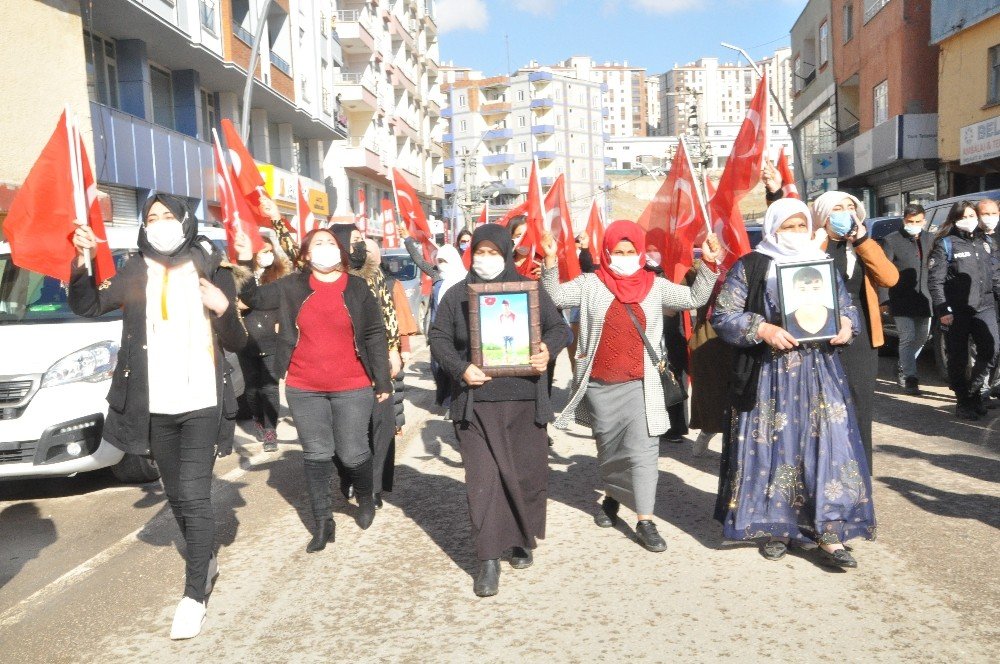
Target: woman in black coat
[
  {"x": 499, "y": 422},
  {"x": 170, "y": 397}
]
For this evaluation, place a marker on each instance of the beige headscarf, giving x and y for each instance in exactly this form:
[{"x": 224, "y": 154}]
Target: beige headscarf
[{"x": 823, "y": 206}]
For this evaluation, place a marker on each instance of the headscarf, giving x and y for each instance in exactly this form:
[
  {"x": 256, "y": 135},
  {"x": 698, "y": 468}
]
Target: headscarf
[
  {"x": 343, "y": 231},
  {"x": 499, "y": 237},
  {"x": 635, "y": 287},
  {"x": 777, "y": 214},
  {"x": 452, "y": 270},
  {"x": 823, "y": 206},
  {"x": 189, "y": 224}
]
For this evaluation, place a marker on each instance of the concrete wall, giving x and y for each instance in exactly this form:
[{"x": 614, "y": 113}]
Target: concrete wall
[
  {"x": 48, "y": 72},
  {"x": 963, "y": 85}
]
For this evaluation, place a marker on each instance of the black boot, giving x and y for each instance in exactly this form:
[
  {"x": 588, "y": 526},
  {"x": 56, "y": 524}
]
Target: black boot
[
  {"x": 488, "y": 580},
  {"x": 318, "y": 475},
  {"x": 361, "y": 478},
  {"x": 521, "y": 558}
]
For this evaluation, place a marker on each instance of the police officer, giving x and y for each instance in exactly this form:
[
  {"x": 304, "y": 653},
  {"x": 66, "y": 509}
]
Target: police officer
[
  {"x": 989, "y": 215},
  {"x": 963, "y": 281},
  {"x": 909, "y": 302}
]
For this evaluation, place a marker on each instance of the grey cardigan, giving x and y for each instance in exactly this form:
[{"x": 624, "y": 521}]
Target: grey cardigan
[{"x": 594, "y": 300}]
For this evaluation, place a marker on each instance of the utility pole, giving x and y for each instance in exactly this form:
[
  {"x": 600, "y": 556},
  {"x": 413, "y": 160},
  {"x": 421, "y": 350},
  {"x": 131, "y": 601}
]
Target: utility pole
[{"x": 248, "y": 88}]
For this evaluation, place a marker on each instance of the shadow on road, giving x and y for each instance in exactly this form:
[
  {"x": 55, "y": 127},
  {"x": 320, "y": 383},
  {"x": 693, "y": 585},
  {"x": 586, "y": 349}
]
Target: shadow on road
[
  {"x": 33, "y": 532},
  {"x": 978, "y": 467},
  {"x": 58, "y": 487},
  {"x": 982, "y": 507}
]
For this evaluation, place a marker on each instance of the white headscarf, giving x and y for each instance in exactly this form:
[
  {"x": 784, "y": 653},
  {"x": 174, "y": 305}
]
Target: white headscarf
[
  {"x": 823, "y": 206},
  {"x": 777, "y": 214},
  {"x": 451, "y": 268}
]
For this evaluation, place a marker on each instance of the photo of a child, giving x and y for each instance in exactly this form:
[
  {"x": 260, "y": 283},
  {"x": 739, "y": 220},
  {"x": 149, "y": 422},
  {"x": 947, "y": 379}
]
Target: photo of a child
[{"x": 504, "y": 329}]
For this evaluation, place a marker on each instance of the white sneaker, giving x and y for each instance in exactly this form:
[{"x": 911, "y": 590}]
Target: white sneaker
[
  {"x": 213, "y": 574},
  {"x": 700, "y": 443},
  {"x": 188, "y": 619}
]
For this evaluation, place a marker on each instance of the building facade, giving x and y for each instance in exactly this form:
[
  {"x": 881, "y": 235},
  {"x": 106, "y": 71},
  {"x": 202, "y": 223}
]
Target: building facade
[
  {"x": 654, "y": 121},
  {"x": 499, "y": 124},
  {"x": 968, "y": 35},
  {"x": 884, "y": 66}
]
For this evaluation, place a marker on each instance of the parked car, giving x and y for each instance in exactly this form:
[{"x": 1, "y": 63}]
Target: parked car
[{"x": 397, "y": 264}]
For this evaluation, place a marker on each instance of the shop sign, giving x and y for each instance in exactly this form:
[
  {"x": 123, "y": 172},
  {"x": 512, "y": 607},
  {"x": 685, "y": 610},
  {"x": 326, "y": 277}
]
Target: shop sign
[{"x": 980, "y": 141}]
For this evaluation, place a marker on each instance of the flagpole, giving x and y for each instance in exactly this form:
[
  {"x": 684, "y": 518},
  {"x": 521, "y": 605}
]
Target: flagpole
[
  {"x": 76, "y": 173},
  {"x": 230, "y": 190},
  {"x": 395, "y": 201},
  {"x": 701, "y": 198}
]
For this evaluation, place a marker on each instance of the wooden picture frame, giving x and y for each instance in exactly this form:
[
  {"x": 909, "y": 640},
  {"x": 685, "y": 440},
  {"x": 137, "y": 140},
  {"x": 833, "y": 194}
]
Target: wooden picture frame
[
  {"x": 804, "y": 290},
  {"x": 504, "y": 327}
]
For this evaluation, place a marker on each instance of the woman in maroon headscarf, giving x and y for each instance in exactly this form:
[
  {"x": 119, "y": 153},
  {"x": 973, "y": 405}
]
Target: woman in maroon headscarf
[{"x": 617, "y": 389}]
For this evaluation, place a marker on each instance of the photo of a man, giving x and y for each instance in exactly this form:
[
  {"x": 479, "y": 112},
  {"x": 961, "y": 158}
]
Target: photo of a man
[{"x": 808, "y": 301}]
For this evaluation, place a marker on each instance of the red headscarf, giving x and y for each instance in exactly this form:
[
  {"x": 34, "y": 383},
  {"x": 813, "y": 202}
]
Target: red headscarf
[{"x": 635, "y": 287}]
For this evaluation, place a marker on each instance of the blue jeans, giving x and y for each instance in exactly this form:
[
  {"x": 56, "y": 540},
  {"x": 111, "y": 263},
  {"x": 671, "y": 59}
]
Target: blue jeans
[{"x": 913, "y": 333}]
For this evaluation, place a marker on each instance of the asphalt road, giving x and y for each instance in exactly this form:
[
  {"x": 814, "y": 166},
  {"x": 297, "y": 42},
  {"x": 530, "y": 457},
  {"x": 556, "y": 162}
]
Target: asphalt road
[{"x": 89, "y": 569}]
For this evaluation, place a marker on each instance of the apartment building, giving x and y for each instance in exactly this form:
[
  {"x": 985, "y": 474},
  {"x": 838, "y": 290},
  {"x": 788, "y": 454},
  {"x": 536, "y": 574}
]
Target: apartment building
[
  {"x": 498, "y": 124},
  {"x": 389, "y": 88},
  {"x": 654, "y": 121}
]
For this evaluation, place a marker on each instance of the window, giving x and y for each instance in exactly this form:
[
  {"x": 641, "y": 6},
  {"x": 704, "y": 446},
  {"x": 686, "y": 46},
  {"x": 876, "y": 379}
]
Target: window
[
  {"x": 464, "y": 125},
  {"x": 848, "y": 22},
  {"x": 207, "y": 14},
  {"x": 797, "y": 74},
  {"x": 524, "y": 172},
  {"x": 208, "y": 115},
  {"x": 880, "y": 100},
  {"x": 461, "y": 101},
  {"x": 521, "y": 122},
  {"x": 994, "y": 73},
  {"x": 824, "y": 42},
  {"x": 873, "y": 7},
  {"x": 520, "y": 95},
  {"x": 522, "y": 147},
  {"x": 102, "y": 70},
  {"x": 163, "y": 97}
]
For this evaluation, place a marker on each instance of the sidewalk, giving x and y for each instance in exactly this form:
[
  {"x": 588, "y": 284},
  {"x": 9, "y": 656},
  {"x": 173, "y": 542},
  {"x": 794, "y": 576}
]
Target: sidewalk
[{"x": 402, "y": 591}]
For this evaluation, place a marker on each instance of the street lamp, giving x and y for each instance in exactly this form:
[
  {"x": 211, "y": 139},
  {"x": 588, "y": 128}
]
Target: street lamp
[{"x": 777, "y": 102}]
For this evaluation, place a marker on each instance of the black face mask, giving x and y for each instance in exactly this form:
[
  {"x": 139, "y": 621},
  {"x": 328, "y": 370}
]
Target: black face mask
[{"x": 359, "y": 252}]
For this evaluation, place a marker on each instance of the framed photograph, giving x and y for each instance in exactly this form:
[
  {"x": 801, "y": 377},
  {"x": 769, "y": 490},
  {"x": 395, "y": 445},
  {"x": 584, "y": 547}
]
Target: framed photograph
[
  {"x": 504, "y": 327},
  {"x": 807, "y": 293}
]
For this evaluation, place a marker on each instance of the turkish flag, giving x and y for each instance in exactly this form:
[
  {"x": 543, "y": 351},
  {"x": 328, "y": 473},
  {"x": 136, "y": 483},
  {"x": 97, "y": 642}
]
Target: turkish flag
[
  {"x": 412, "y": 214},
  {"x": 558, "y": 223},
  {"x": 236, "y": 215},
  {"x": 675, "y": 218},
  {"x": 787, "y": 177},
  {"x": 534, "y": 223},
  {"x": 595, "y": 233},
  {"x": 305, "y": 220},
  {"x": 247, "y": 180},
  {"x": 58, "y": 191},
  {"x": 741, "y": 174},
  {"x": 484, "y": 215},
  {"x": 516, "y": 211}
]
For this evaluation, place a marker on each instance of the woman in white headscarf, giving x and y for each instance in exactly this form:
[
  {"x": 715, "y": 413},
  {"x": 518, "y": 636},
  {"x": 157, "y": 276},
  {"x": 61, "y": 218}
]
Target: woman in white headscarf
[
  {"x": 451, "y": 269},
  {"x": 793, "y": 467}
]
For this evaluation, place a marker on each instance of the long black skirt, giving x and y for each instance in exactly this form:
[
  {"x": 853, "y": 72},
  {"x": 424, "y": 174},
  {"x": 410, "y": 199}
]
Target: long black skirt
[
  {"x": 860, "y": 363},
  {"x": 505, "y": 455}
]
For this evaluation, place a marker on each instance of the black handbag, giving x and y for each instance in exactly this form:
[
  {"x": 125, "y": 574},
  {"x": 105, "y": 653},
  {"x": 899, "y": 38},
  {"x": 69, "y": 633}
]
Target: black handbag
[{"x": 673, "y": 392}]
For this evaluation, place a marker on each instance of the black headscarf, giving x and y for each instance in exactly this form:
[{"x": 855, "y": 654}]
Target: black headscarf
[
  {"x": 189, "y": 224},
  {"x": 499, "y": 237},
  {"x": 356, "y": 252}
]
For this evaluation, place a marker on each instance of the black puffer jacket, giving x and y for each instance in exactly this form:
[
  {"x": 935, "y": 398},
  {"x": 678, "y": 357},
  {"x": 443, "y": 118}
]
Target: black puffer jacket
[{"x": 966, "y": 279}]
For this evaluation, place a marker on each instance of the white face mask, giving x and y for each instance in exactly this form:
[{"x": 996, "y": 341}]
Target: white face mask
[
  {"x": 625, "y": 266},
  {"x": 913, "y": 229},
  {"x": 794, "y": 242},
  {"x": 265, "y": 260},
  {"x": 488, "y": 267},
  {"x": 990, "y": 221},
  {"x": 165, "y": 235},
  {"x": 967, "y": 225},
  {"x": 653, "y": 258},
  {"x": 325, "y": 257}
]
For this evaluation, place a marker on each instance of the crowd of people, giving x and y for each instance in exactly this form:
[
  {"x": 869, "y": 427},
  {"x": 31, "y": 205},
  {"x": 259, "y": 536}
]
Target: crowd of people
[{"x": 794, "y": 404}]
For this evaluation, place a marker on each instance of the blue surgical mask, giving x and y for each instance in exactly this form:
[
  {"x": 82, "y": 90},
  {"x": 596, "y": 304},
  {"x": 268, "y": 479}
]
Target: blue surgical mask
[{"x": 842, "y": 222}]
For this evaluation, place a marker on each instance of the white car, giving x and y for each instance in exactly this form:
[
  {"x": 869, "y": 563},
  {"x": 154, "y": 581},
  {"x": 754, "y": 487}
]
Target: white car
[{"x": 55, "y": 373}]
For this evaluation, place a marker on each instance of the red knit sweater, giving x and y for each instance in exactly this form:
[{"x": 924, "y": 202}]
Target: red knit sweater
[{"x": 619, "y": 356}]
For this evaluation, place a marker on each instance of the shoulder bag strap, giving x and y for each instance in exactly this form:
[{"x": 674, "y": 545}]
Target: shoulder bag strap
[{"x": 649, "y": 347}]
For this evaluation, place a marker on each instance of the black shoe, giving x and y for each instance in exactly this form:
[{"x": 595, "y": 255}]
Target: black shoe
[
  {"x": 378, "y": 501},
  {"x": 521, "y": 558},
  {"x": 366, "y": 511},
  {"x": 965, "y": 411},
  {"x": 901, "y": 380},
  {"x": 607, "y": 516},
  {"x": 346, "y": 488},
  {"x": 361, "y": 478},
  {"x": 325, "y": 532},
  {"x": 487, "y": 581},
  {"x": 838, "y": 558},
  {"x": 649, "y": 538},
  {"x": 990, "y": 403},
  {"x": 979, "y": 406},
  {"x": 911, "y": 386},
  {"x": 672, "y": 437},
  {"x": 774, "y": 549}
]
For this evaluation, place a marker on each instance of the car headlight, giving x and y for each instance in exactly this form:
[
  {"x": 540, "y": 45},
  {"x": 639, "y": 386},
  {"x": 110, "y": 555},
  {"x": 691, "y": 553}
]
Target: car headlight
[{"x": 91, "y": 364}]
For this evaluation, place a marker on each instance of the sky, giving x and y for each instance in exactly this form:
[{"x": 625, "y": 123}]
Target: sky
[{"x": 655, "y": 34}]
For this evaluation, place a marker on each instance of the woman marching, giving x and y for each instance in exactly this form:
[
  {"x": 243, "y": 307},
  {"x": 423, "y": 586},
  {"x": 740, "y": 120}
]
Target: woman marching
[
  {"x": 793, "y": 463},
  {"x": 499, "y": 422},
  {"x": 617, "y": 389},
  {"x": 170, "y": 397},
  {"x": 257, "y": 358},
  {"x": 331, "y": 351}
]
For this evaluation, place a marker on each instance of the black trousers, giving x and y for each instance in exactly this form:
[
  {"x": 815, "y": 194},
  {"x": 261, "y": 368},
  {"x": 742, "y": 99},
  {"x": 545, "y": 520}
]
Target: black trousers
[
  {"x": 860, "y": 363},
  {"x": 183, "y": 447},
  {"x": 261, "y": 387},
  {"x": 981, "y": 327}
]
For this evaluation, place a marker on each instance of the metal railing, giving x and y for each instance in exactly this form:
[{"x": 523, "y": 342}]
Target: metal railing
[
  {"x": 207, "y": 14},
  {"x": 242, "y": 34},
  {"x": 281, "y": 64}
]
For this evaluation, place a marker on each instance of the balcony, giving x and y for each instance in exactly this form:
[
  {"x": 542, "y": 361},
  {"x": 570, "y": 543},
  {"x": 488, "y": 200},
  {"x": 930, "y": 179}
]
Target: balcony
[
  {"x": 504, "y": 134},
  {"x": 242, "y": 34},
  {"x": 543, "y": 130},
  {"x": 501, "y": 159},
  {"x": 605, "y": 112},
  {"x": 546, "y": 181},
  {"x": 606, "y": 137},
  {"x": 354, "y": 27},
  {"x": 168, "y": 161},
  {"x": 449, "y": 188},
  {"x": 357, "y": 92},
  {"x": 540, "y": 77},
  {"x": 449, "y": 162},
  {"x": 447, "y": 138},
  {"x": 429, "y": 21},
  {"x": 359, "y": 154},
  {"x": 608, "y": 161},
  {"x": 496, "y": 83},
  {"x": 542, "y": 104},
  {"x": 434, "y": 108},
  {"x": 545, "y": 155},
  {"x": 403, "y": 76},
  {"x": 400, "y": 31},
  {"x": 281, "y": 64},
  {"x": 495, "y": 108},
  {"x": 447, "y": 112}
]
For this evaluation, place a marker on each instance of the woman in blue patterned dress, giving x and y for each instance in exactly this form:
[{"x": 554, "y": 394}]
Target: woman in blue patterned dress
[{"x": 793, "y": 466}]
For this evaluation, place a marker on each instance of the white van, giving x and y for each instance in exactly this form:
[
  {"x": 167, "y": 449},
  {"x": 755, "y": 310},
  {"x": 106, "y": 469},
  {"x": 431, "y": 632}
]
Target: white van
[{"x": 55, "y": 371}]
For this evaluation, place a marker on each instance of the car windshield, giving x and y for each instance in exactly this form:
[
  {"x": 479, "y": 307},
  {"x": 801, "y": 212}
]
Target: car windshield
[
  {"x": 401, "y": 268},
  {"x": 29, "y": 297}
]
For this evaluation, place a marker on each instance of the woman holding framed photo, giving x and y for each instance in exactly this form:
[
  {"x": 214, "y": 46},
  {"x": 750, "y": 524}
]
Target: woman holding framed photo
[
  {"x": 499, "y": 421},
  {"x": 617, "y": 386},
  {"x": 793, "y": 462}
]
